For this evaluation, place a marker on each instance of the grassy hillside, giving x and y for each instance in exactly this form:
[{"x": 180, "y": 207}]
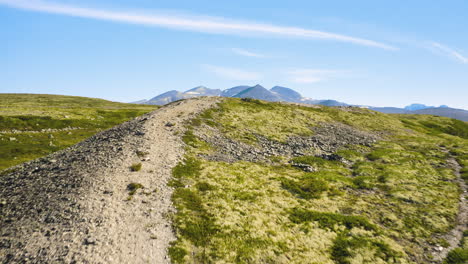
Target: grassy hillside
[
  {"x": 276, "y": 183},
  {"x": 279, "y": 183},
  {"x": 33, "y": 125}
]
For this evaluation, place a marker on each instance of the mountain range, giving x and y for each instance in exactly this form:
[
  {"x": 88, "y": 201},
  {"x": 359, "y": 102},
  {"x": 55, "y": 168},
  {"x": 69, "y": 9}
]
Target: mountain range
[{"x": 284, "y": 94}]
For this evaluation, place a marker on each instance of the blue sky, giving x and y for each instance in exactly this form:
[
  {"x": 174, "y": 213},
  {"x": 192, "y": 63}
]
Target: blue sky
[{"x": 381, "y": 53}]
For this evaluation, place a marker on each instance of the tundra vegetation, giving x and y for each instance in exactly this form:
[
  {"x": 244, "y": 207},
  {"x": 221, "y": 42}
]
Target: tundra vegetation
[
  {"x": 33, "y": 125},
  {"x": 388, "y": 202}
]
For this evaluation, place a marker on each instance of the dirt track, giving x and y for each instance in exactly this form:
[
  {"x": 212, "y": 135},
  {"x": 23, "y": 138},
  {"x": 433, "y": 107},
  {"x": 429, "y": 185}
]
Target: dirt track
[{"x": 74, "y": 206}]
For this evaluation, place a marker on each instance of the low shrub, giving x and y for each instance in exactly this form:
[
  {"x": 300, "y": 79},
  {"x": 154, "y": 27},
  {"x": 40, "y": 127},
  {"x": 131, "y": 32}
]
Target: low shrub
[
  {"x": 177, "y": 254},
  {"x": 457, "y": 256},
  {"x": 251, "y": 100},
  {"x": 330, "y": 220},
  {"x": 345, "y": 246},
  {"x": 363, "y": 182},
  {"x": 306, "y": 188},
  {"x": 204, "y": 187}
]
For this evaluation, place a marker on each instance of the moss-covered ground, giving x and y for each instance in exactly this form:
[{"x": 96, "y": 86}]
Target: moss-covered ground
[
  {"x": 42, "y": 123},
  {"x": 387, "y": 204}
]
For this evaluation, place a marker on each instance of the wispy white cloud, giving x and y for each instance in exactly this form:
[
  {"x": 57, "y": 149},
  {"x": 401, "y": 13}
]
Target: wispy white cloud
[
  {"x": 247, "y": 53},
  {"x": 192, "y": 23},
  {"x": 232, "y": 73},
  {"x": 310, "y": 75},
  {"x": 449, "y": 52}
]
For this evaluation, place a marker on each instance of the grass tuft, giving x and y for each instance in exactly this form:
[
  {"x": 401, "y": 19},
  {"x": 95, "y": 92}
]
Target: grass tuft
[
  {"x": 133, "y": 187},
  {"x": 142, "y": 154},
  {"x": 136, "y": 167}
]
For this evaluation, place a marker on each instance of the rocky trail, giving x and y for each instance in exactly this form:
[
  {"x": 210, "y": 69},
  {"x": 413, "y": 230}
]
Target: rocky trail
[
  {"x": 454, "y": 236},
  {"x": 85, "y": 205}
]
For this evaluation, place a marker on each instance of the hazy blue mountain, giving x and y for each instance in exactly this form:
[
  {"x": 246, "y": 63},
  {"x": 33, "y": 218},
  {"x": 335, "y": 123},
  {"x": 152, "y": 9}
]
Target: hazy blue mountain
[
  {"x": 144, "y": 101},
  {"x": 173, "y": 95},
  {"x": 331, "y": 103},
  {"x": 414, "y": 107},
  {"x": 443, "y": 110},
  {"x": 327, "y": 102},
  {"x": 389, "y": 110},
  {"x": 202, "y": 91},
  {"x": 287, "y": 94},
  {"x": 166, "y": 98},
  {"x": 459, "y": 114},
  {"x": 234, "y": 90},
  {"x": 259, "y": 92}
]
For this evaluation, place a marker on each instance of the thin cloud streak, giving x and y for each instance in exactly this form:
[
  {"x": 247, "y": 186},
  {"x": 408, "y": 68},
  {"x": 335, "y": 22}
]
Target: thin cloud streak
[
  {"x": 450, "y": 52},
  {"x": 232, "y": 73},
  {"x": 200, "y": 24},
  {"x": 247, "y": 53},
  {"x": 308, "y": 76}
]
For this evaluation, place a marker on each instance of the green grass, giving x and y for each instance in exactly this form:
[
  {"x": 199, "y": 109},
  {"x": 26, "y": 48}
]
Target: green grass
[
  {"x": 34, "y": 114},
  {"x": 459, "y": 255},
  {"x": 330, "y": 220},
  {"x": 437, "y": 125},
  {"x": 136, "y": 167},
  {"x": 317, "y": 162},
  {"x": 387, "y": 205},
  {"x": 345, "y": 247},
  {"x": 306, "y": 188},
  {"x": 200, "y": 226}
]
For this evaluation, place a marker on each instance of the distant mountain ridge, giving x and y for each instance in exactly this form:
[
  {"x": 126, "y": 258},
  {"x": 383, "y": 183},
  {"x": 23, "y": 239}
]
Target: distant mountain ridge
[
  {"x": 174, "y": 95},
  {"x": 234, "y": 90},
  {"x": 459, "y": 114},
  {"x": 415, "y": 107},
  {"x": 287, "y": 93},
  {"x": 442, "y": 110},
  {"x": 284, "y": 94},
  {"x": 275, "y": 94},
  {"x": 259, "y": 92}
]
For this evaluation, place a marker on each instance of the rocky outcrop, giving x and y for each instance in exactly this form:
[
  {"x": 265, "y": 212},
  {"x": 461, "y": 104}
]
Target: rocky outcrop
[{"x": 326, "y": 140}]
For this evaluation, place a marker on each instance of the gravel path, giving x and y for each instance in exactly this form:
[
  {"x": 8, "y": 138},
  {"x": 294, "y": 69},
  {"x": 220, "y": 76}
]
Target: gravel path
[
  {"x": 454, "y": 236},
  {"x": 76, "y": 205}
]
